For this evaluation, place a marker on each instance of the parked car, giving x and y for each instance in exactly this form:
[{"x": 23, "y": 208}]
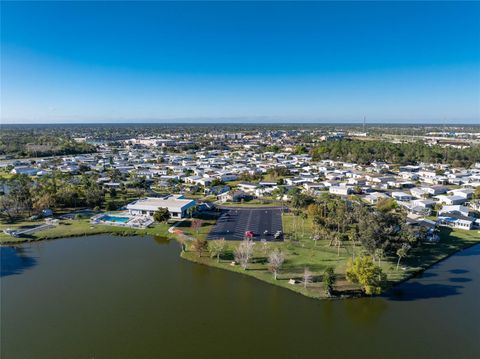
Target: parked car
[{"x": 249, "y": 234}]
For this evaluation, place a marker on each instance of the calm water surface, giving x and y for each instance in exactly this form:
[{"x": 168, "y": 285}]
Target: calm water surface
[{"x": 113, "y": 297}]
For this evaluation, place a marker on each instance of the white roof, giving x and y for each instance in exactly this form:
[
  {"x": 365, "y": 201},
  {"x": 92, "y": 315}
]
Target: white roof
[
  {"x": 174, "y": 203},
  {"x": 400, "y": 194}
]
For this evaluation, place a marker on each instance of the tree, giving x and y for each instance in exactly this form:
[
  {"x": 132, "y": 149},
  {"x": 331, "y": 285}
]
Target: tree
[
  {"x": 191, "y": 211},
  {"x": 365, "y": 272},
  {"x": 299, "y": 199},
  {"x": 43, "y": 201},
  {"x": 182, "y": 239},
  {"x": 264, "y": 245},
  {"x": 386, "y": 204},
  {"x": 476, "y": 194},
  {"x": 196, "y": 225},
  {"x": 328, "y": 281},
  {"x": 300, "y": 150},
  {"x": 113, "y": 193},
  {"x": 316, "y": 237},
  {"x": 378, "y": 229},
  {"x": 275, "y": 262},
  {"x": 306, "y": 277},
  {"x": 243, "y": 253},
  {"x": 279, "y": 193},
  {"x": 8, "y": 208},
  {"x": 363, "y": 152},
  {"x": 402, "y": 252},
  {"x": 94, "y": 195},
  {"x": 217, "y": 248},
  {"x": 352, "y": 237},
  {"x": 379, "y": 254},
  {"x": 20, "y": 192},
  {"x": 200, "y": 245},
  {"x": 161, "y": 215},
  {"x": 338, "y": 240}
]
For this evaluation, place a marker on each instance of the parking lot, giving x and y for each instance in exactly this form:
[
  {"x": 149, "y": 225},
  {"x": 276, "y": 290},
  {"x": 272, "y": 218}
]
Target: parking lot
[{"x": 234, "y": 222}]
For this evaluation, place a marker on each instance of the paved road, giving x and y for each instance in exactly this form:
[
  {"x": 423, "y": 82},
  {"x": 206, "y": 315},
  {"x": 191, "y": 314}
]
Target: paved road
[{"x": 234, "y": 222}]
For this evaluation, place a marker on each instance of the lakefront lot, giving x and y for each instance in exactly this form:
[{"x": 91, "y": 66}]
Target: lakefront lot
[
  {"x": 82, "y": 227},
  {"x": 302, "y": 252}
]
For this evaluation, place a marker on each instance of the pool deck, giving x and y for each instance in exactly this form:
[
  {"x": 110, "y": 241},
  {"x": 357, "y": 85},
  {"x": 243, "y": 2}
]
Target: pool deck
[{"x": 133, "y": 222}]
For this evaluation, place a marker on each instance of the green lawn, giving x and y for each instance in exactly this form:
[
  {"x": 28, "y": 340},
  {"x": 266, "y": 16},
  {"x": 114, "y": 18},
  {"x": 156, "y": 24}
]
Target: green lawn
[
  {"x": 5, "y": 176},
  {"x": 300, "y": 251},
  {"x": 79, "y": 227},
  {"x": 82, "y": 227},
  {"x": 419, "y": 259},
  {"x": 207, "y": 225}
]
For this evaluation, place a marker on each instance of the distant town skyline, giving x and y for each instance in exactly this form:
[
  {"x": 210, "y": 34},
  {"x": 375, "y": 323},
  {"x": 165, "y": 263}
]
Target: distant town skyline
[{"x": 233, "y": 62}]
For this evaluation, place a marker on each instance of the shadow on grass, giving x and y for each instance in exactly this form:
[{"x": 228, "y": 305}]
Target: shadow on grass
[{"x": 227, "y": 256}]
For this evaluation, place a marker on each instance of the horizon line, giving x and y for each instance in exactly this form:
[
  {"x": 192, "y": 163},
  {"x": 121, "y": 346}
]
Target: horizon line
[{"x": 241, "y": 123}]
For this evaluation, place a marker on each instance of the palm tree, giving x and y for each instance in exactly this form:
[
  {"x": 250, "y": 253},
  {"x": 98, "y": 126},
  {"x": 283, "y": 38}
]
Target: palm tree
[
  {"x": 280, "y": 191},
  {"x": 402, "y": 252},
  {"x": 379, "y": 253}
]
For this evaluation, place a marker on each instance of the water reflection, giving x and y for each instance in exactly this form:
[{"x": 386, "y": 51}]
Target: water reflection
[
  {"x": 460, "y": 280},
  {"x": 365, "y": 311},
  {"x": 14, "y": 260},
  {"x": 458, "y": 271},
  {"x": 414, "y": 290},
  {"x": 474, "y": 251},
  {"x": 162, "y": 240},
  {"x": 144, "y": 301}
]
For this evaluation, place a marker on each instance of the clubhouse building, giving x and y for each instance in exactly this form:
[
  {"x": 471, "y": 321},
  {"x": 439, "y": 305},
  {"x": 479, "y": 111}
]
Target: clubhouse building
[{"x": 177, "y": 205}]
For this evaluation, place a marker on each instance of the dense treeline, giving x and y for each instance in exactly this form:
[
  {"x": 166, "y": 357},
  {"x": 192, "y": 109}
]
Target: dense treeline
[
  {"x": 39, "y": 144},
  {"x": 381, "y": 227},
  {"x": 26, "y": 197},
  {"x": 365, "y": 152}
]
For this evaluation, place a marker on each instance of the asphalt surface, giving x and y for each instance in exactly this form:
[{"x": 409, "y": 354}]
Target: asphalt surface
[{"x": 234, "y": 222}]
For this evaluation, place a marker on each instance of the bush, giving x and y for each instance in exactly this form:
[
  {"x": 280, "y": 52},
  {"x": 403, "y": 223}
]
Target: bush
[
  {"x": 111, "y": 206},
  {"x": 365, "y": 272}
]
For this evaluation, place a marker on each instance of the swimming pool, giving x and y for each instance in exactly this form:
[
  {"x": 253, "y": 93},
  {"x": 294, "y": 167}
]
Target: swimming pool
[{"x": 116, "y": 219}]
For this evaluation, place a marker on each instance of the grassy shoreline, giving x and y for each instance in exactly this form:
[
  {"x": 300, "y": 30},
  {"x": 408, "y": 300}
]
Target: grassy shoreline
[
  {"x": 299, "y": 250},
  {"x": 343, "y": 289},
  {"x": 82, "y": 227},
  {"x": 79, "y": 228}
]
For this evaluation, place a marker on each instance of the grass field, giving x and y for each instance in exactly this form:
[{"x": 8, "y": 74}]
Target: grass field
[
  {"x": 82, "y": 227},
  {"x": 202, "y": 233},
  {"x": 301, "y": 252},
  {"x": 79, "y": 227}
]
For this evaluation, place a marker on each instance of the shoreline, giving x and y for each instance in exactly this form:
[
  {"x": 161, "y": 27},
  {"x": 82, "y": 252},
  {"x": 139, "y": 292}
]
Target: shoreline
[
  {"x": 295, "y": 287},
  {"x": 348, "y": 293},
  {"x": 315, "y": 292}
]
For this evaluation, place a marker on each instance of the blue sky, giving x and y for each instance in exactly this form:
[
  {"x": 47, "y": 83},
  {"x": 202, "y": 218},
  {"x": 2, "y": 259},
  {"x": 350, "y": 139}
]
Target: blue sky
[{"x": 240, "y": 62}]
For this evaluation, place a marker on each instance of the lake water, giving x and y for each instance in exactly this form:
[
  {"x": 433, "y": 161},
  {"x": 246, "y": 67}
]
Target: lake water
[{"x": 116, "y": 297}]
